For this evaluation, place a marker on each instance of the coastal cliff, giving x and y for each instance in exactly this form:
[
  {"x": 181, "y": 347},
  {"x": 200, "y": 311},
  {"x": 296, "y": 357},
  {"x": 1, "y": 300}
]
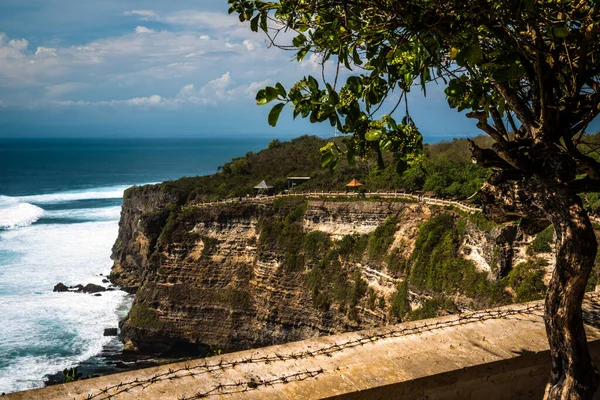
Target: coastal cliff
[{"x": 252, "y": 274}]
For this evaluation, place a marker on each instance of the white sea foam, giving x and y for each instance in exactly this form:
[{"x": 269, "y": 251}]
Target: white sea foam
[
  {"x": 6, "y": 201},
  {"x": 48, "y": 331},
  {"x": 111, "y": 192},
  {"x": 18, "y": 215},
  {"x": 87, "y": 214},
  {"x": 53, "y": 331}
]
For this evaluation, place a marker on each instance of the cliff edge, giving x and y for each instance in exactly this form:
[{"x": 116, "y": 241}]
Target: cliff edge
[{"x": 258, "y": 273}]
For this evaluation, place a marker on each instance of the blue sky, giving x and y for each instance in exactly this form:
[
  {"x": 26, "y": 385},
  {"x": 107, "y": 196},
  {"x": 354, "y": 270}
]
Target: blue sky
[{"x": 154, "y": 68}]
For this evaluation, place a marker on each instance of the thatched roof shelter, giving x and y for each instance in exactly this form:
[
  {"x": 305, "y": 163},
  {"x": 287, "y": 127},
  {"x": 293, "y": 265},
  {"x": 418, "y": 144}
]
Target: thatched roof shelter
[
  {"x": 263, "y": 186},
  {"x": 354, "y": 184}
]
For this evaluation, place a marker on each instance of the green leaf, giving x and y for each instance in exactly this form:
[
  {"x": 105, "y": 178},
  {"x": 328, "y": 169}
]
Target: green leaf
[
  {"x": 356, "y": 56},
  {"x": 301, "y": 53},
  {"x": 333, "y": 164},
  {"x": 254, "y": 23},
  {"x": 299, "y": 40},
  {"x": 350, "y": 155},
  {"x": 373, "y": 134},
  {"x": 280, "y": 89},
  {"x": 326, "y": 157},
  {"x": 391, "y": 122},
  {"x": 559, "y": 31},
  {"x": 312, "y": 83},
  {"x": 328, "y": 146},
  {"x": 274, "y": 114},
  {"x": 461, "y": 57},
  {"x": 314, "y": 115},
  {"x": 401, "y": 166},
  {"x": 261, "y": 97},
  {"x": 386, "y": 145},
  {"x": 474, "y": 54},
  {"x": 263, "y": 22},
  {"x": 271, "y": 93}
]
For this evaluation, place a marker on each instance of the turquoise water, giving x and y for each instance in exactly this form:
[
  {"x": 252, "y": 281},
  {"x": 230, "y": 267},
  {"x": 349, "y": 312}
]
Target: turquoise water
[{"x": 60, "y": 203}]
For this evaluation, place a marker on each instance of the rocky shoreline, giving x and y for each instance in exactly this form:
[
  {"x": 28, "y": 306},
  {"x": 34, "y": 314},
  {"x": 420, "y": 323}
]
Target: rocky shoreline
[{"x": 112, "y": 359}]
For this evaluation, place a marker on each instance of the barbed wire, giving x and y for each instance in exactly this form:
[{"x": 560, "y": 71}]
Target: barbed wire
[
  {"x": 364, "y": 338},
  {"x": 253, "y": 384}
]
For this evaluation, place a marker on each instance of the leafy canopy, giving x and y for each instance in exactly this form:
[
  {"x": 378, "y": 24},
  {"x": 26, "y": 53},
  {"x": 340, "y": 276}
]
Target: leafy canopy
[{"x": 524, "y": 66}]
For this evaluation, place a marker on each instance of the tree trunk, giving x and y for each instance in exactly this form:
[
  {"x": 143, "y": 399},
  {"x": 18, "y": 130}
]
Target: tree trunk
[
  {"x": 537, "y": 201},
  {"x": 573, "y": 373}
]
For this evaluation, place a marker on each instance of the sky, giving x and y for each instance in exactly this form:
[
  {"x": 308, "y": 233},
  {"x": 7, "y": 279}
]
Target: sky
[{"x": 155, "y": 68}]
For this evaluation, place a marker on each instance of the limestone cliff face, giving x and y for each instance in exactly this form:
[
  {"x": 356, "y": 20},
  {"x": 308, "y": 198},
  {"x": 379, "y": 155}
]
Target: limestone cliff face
[
  {"x": 203, "y": 276},
  {"x": 143, "y": 217}
]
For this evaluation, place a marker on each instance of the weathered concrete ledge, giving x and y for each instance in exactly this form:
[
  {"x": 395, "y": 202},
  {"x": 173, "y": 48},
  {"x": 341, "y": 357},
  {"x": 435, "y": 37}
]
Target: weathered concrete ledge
[{"x": 494, "y": 354}]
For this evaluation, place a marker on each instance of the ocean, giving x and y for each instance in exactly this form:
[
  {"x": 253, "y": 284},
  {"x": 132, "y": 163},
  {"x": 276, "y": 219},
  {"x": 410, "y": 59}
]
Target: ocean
[{"x": 60, "y": 201}]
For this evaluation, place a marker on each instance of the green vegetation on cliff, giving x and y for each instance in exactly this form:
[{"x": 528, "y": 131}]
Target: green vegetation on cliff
[
  {"x": 436, "y": 269},
  {"x": 542, "y": 242},
  {"x": 446, "y": 170}
]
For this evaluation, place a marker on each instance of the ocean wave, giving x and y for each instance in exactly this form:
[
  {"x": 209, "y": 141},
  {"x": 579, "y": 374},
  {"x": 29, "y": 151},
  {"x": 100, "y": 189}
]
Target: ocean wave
[
  {"x": 6, "y": 201},
  {"x": 86, "y": 214},
  {"x": 112, "y": 192},
  {"x": 51, "y": 331},
  {"x": 18, "y": 215}
]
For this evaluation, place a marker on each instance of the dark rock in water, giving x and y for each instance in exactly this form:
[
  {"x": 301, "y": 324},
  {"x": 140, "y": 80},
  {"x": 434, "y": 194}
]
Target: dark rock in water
[
  {"x": 78, "y": 288},
  {"x": 60, "y": 287},
  {"x": 110, "y": 332},
  {"x": 105, "y": 281},
  {"x": 97, "y": 294},
  {"x": 92, "y": 288}
]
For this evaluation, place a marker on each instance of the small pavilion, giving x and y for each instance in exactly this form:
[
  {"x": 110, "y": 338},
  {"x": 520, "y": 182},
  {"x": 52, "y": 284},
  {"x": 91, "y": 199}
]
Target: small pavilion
[
  {"x": 263, "y": 187},
  {"x": 353, "y": 184},
  {"x": 294, "y": 181}
]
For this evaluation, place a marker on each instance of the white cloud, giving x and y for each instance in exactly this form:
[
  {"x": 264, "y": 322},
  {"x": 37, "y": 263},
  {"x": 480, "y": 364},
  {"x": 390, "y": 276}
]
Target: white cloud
[
  {"x": 249, "y": 90},
  {"x": 158, "y": 62},
  {"x": 219, "y": 84},
  {"x": 143, "y": 29},
  {"x": 314, "y": 62},
  {"x": 200, "y": 19},
  {"x": 60, "y": 89},
  {"x": 250, "y": 45},
  {"x": 192, "y": 18},
  {"x": 212, "y": 93},
  {"x": 153, "y": 100},
  {"x": 45, "y": 52},
  {"x": 142, "y": 102},
  {"x": 145, "y": 14},
  {"x": 18, "y": 44}
]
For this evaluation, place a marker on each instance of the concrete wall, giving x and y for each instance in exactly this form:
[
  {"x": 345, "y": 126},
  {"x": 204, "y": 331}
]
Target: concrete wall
[{"x": 493, "y": 354}]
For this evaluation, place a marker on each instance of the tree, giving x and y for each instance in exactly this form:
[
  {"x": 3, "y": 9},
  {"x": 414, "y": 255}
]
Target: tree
[{"x": 526, "y": 70}]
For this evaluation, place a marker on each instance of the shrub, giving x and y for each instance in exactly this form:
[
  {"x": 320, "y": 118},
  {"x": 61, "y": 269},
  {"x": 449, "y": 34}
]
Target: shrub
[
  {"x": 396, "y": 263},
  {"x": 542, "y": 242},
  {"x": 382, "y": 238},
  {"x": 400, "y": 306},
  {"x": 352, "y": 247},
  {"x": 482, "y": 222},
  {"x": 527, "y": 281},
  {"x": 429, "y": 309},
  {"x": 436, "y": 266}
]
